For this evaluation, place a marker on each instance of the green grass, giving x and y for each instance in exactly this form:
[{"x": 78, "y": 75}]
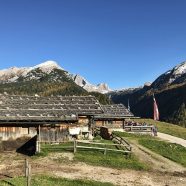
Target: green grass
[
  {"x": 117, "y": 160},
  {"x": 130, "y": 136},
  {"x": 112, "y": 159},
  {"x": 48, "y": 181},
  {"x": 171, "y": 151},
  {"x": 167, "y": 128}
]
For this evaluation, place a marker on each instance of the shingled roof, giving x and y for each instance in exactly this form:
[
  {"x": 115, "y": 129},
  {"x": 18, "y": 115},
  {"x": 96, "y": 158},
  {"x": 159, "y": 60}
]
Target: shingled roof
[
  {"x": 115, "y": 111},
  {"x": 47, "y": 108}
]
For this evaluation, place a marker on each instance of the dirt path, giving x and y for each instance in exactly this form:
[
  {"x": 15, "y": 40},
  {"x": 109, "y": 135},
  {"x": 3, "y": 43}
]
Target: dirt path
[
  {"x": 62, "y": 165},
  {"x": 172, "y": 139},
  {"x": 156, "y": 161},
  {"x": 121, "y": 177}
]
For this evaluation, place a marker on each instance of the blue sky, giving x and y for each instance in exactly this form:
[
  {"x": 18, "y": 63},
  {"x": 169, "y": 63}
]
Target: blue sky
[{"x": 122, "y": 42}]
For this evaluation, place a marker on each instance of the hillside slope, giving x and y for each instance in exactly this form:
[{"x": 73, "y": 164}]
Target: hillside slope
[
  {"x": 170, "y": 92},
  {"x": 45, "y": 80},
  {"x": 15, "y": 74}
]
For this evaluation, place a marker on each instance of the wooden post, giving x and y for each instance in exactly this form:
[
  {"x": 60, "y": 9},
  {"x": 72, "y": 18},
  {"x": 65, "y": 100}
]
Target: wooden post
[
  {"x": 123, "y": 124},
  {"x": 57, "y": 137},
  {"x": 75, "y": 146},
  {"x": 39, "y": 141},
  {"x": 28, "y": 172},
  {"x": 29, "y": 175},
  {"x": 26, "y": 168},
  {"x": 105, "y": 152}
]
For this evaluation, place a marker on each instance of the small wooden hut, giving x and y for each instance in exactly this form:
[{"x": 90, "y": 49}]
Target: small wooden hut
[{"x": 113, "y": 116}]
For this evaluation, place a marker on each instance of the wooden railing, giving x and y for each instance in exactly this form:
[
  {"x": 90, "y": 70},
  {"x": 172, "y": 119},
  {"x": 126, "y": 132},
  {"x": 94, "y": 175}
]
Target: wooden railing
[
  {"x": 120, "y": 141},
  {"x": 139, "y": 128},
  {"x": 91, "y": 145},
  {"x": 101, "y": 146}
]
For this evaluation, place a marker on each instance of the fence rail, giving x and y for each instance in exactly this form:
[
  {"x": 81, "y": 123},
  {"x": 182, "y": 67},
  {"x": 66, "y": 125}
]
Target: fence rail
[
  {"x": 91, "y": 145},
  {"x": 139, "y": 128},
  {"x": 104, "y": 146},
  {"x": 121, "y": 142}
]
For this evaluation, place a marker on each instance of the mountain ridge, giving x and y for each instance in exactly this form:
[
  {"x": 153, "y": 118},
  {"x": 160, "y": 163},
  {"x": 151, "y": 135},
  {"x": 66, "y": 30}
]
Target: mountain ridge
[
  {"x": 170, "y": 92},
  {"x": 13, "y": 74}
]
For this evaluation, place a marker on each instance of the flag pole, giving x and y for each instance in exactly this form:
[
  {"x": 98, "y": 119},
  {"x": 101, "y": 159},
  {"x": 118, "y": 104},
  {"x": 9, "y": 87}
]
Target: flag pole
[
  {"x": 155, "y": 114},
  {"x": 155, "y": 109},
  {"x": 128, "y": 105}
]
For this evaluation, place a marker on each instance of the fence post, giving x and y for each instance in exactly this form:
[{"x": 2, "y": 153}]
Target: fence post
[
  {"x": 26, "y": 167},
  {"x": 105, "y": 152},
  {"x": 75, "y": 146},
  {"x": 28, "y": 172},
  {"x": 29, "y": 175},
  {"x": 39, "y": 144}
]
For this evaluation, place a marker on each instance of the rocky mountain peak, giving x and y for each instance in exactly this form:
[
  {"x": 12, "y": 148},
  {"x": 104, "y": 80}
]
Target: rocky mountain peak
[
  {"x": 15, "y": 74},
  {"x": 79, "y": 80},
  {"x": 103, "y": 87},
  {"x": 180, "y": 69},
  {"x": 176, "y": 75},
  {"x": 82, "y": 82},
  {"x": 48, "y": 66}
]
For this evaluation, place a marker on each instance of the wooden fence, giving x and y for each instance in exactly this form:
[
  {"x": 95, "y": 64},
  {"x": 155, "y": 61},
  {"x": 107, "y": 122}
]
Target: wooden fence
[
  {"x": 139, "y": 128},
  {"x": 120, "y": 142},
  {"x": 91, "y": 145},
  {"x": 28, "y": 172},
  {"x": 80, "y": 144}
]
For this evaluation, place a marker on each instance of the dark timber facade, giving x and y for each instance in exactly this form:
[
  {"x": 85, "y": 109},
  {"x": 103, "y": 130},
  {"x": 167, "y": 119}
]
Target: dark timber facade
[{"x": 52, "y": 117}]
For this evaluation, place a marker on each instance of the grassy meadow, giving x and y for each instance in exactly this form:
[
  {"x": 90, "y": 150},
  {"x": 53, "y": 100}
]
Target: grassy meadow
[
  {"x": 172, "y": 151},
  {"x": 48, "y": 181},
  {"x": 96, "y": 157}
]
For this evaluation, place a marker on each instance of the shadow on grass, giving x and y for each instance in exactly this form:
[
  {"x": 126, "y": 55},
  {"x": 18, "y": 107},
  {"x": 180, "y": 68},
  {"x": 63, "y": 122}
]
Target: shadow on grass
[
  {"x": 29, "y": 147},
  {"x": 8, "y": 183}
]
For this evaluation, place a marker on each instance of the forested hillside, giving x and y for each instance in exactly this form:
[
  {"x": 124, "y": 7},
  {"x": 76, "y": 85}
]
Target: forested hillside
[
  {"x": 57, "y": 82},
  {"x": 171, "y": 102}
]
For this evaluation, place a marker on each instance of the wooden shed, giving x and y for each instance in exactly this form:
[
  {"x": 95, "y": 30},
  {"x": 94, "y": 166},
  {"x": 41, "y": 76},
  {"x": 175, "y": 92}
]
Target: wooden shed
[
  {"x": 52, "y": 116},
  {"x": 113, "y": 116}
]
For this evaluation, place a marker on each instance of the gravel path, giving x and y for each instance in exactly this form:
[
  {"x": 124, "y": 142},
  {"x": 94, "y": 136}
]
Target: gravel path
[{"x": 172, "y": 139}]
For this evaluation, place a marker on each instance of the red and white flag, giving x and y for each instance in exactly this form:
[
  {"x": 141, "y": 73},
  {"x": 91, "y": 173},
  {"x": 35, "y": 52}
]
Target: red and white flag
[{"x": 155, "y": 108}]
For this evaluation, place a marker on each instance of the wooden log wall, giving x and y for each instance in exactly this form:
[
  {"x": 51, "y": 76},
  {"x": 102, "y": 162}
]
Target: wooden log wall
[
  {"x": 12, "y": 133},
  {"x": 54, "y": 134},
  {"x": 112, "y": 124}
]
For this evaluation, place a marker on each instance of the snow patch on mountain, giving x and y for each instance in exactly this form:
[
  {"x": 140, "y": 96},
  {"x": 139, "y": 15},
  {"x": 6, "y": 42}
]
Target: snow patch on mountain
[
  {"x": 176, "y": 72},
  {"x": 48, "y": 66},
  {"x": 125, "y": 90},
  {"x": 176, "y": 75},
  {"x": 180, "y": 69},
  {"x": 13, "y": 73}
]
